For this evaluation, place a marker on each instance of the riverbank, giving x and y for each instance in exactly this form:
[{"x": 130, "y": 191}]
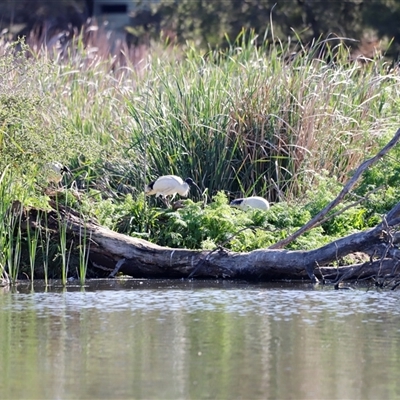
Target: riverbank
[{"x": 242, "y": 122}]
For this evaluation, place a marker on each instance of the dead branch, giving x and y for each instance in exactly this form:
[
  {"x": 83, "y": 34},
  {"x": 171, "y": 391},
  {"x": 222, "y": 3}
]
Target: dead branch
[{"x": 316, "y": 221}]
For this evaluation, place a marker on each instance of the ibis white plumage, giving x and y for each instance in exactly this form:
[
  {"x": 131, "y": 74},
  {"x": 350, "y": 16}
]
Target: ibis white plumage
[
  {"x": 245, "y": 203},
  {"x": 170, "y": 185},
  {"x": 55, "y": 171}
]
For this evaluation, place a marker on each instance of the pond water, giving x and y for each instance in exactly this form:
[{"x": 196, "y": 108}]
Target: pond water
[{"x": 140, "y": 339}]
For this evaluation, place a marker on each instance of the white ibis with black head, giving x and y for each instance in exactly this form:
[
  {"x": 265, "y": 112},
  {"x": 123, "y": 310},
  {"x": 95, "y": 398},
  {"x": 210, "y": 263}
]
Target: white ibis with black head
[
  {"x": 245, "y": 203},
  {"x": 170, "y": 185},
  {"x": 55, "y": 171}
]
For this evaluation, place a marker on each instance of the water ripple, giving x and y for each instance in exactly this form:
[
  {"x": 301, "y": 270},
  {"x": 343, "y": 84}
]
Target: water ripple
[{"x": 279, "y": 302}]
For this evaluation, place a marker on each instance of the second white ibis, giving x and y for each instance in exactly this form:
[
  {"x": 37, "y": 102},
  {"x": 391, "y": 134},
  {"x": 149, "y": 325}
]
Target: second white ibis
[{"x": 245, "y": 203}]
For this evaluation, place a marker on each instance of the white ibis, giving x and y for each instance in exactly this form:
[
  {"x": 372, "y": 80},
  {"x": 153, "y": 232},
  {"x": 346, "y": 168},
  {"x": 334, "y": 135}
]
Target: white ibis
[
  {"x": 250, "y": 202},
  {"x": 55, "y": 171},
  {"x": 170, "y": 185}
]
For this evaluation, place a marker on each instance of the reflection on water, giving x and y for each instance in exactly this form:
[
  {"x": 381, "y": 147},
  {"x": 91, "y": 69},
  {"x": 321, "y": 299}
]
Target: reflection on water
[{"x": 199, "y": 340}]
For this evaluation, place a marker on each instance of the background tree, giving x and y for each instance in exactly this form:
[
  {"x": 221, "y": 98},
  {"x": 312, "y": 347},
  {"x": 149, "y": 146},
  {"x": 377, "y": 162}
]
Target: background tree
[{"x": 208, "y": 23}]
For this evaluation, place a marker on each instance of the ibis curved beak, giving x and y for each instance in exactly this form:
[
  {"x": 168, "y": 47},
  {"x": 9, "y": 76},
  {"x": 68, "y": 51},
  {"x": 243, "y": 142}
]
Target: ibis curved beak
[{"x": 195, "y": 184}]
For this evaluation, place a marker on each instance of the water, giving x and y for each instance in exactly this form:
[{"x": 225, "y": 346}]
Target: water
[{"x": 199, "y": 340}]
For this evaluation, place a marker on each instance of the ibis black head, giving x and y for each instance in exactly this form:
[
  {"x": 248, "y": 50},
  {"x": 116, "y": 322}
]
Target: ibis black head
[
  {"x": 151, "y": 185},
  {"x": 190, "y": 182},
  {"x": 236, "y": 202},
  {"x": 65, "y": 170}
]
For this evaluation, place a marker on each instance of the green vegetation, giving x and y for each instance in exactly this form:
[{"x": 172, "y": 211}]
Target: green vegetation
[{"x": 249, "y": 120}]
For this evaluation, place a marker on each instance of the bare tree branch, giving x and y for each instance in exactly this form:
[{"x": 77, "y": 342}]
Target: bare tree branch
[{"x": 320, "y": 216}]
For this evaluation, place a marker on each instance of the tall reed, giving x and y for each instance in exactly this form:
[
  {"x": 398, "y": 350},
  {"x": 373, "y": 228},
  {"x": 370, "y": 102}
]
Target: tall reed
[
  {"x": 11, "y": 212},
  {"x": 64, "y": 252},
  {"x": 84, "y": 250},
  {"x": 14, "y": 243},
  {"x": 33, "y": 243},
  {"x": 45, "y": 246},
  {"x": 253, "y": 120},
  {"x": 4, "y": 230}
]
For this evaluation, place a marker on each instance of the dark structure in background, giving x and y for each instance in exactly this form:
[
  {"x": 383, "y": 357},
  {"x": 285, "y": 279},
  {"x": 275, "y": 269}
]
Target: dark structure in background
[
  {"x": 115, "y": 13},
  {"x": 90, "y": 6},
  {"x": 22, "y": 17},
  {"x": 48, "y": 18}
]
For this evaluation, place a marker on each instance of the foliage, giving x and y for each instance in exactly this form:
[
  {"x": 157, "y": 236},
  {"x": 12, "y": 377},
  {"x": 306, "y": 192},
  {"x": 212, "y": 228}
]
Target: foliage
[
  {"x": 243, "y": 121},
  {"x": 217, "y": 224},
  {"x": 255, "y": 122}
]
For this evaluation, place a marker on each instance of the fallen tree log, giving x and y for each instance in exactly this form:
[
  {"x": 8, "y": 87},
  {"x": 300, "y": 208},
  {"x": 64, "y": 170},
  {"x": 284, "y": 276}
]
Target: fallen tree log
[{"x": 111, "y": 252}]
